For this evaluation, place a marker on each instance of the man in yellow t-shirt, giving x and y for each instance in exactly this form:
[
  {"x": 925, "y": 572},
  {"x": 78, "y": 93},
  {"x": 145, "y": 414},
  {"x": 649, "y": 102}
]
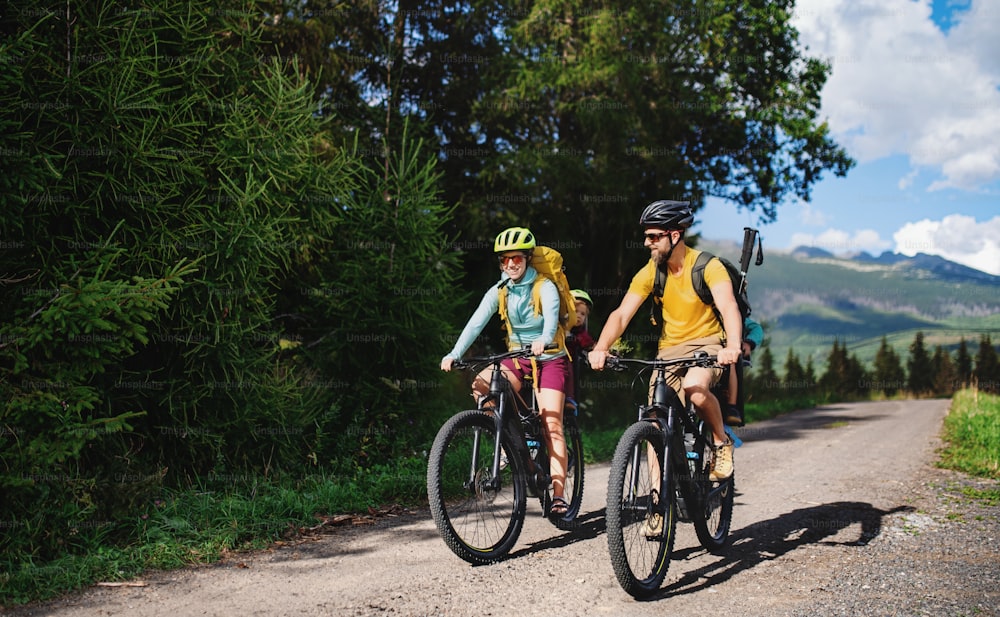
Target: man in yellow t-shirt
[{"x": 689, "y": 324}]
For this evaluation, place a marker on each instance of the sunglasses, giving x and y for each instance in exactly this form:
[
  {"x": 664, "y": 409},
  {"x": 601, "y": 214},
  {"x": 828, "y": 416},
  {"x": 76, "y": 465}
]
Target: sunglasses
[
  {"x": 654, "y": 238},
  {"x": 517, "y": 260}
]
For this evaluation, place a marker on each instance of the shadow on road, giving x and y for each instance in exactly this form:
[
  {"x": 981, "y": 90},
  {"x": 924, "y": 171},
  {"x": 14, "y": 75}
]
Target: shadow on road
[
  {"x": 590, "y": 526},
  {"x": 792, "y": 425},
  {"x": 773, "y": 539}
]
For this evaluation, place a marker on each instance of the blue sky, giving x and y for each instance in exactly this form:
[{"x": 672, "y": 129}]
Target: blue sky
[{"x": 914, "y": 97}]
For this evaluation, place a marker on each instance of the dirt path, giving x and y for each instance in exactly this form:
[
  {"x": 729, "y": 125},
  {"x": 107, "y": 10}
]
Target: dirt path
[{"x": 839, "y": 512}]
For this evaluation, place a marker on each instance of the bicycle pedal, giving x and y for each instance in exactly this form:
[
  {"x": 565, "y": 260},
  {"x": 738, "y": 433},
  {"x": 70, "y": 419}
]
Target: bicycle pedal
[{"x": 737, "y": 442}]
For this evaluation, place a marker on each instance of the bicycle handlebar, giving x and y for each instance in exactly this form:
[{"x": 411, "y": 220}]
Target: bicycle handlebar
[
  {"x": 699, "y": 358},
  {"x": 524, "y": 352}
]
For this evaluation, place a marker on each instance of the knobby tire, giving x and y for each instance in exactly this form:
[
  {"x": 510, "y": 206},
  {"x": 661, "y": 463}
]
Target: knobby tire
[
  {"x": 714, "y": 514},
  {"x": 640, "y": 563},
  {"x": 478, "y": 523}
]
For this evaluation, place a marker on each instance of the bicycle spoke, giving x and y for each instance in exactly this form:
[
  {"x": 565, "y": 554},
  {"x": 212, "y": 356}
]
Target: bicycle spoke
[{"x": 479, "y": 517}]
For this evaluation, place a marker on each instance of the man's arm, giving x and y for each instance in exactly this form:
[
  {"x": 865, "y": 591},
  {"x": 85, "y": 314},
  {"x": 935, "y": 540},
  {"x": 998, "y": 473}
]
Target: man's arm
[
  {"x": 732, "y": 321},
  {"x": 614, "y": 327}
]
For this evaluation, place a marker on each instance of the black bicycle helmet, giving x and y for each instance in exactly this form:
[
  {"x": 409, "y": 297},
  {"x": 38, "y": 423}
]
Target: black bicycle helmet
[{"x": 667, "y": 214}]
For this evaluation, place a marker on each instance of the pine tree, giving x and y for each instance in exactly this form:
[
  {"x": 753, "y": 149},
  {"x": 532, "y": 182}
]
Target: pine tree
[
  {"x": 858, "y": 379},
  {"x": 987, "y": 373},
  {"x": 888, "y": 375},
  {"x": 945, "y": 375},
  {"x": 963, "y": 364},
  {"x": 919, "y": 369},
  {"x": 795, "y": 375},
  {"x": 835, "y": 378},
  {"x": 810, "y": 372},
  {"x": 216, "y": 286},
  {"x": 766, "y": 380}
]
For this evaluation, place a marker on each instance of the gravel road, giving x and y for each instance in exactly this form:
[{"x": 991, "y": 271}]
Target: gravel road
[{"x": 839, "y": 511}]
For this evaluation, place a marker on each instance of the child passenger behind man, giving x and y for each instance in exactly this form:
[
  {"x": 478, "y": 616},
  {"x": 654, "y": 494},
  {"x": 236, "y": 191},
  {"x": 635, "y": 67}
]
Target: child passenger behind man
[
  {"x": 753, "y": 336},
  {"x": 579, "y": 341}
]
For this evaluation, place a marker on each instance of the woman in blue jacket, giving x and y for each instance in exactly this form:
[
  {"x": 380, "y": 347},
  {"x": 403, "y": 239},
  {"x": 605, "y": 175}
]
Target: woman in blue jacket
[{"x": 514, "y": 248}]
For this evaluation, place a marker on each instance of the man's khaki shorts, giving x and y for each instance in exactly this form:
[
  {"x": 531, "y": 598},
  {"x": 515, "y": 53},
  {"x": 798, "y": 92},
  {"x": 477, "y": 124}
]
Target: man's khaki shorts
[{"x": 711, "y": 345}]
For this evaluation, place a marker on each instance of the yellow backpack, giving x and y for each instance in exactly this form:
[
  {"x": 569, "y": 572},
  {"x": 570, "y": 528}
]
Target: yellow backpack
[{"x": 549, "y": 264}]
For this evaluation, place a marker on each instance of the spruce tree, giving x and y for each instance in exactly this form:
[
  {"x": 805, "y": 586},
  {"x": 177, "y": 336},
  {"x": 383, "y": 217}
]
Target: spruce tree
[
  {"x": 765, "y": 378},
  {"x": 963, "y": 363},
  {"x": 207, "y": 282},
  {"x": 858, "y": 379},
  {"x": 888, "y": 373},
  {"x": 794, "y": 373},
  {"x": 945, "y": 375},
  {"x": 987, "y": 372},
  {"x": 835, "y": 379},
  {"x": 920, "y": 372},
  {"x": 810, "y": 374}
]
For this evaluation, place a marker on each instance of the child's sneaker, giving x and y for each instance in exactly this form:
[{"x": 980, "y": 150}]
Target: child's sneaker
[{"x": 732, "y": 415}]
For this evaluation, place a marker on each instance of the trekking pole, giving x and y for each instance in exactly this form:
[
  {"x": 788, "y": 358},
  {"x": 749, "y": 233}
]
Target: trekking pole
[{"x": 749, "y": 235}]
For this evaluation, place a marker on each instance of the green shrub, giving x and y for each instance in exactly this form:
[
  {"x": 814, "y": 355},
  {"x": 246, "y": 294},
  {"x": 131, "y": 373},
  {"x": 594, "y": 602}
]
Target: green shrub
[{"x": 201, "y": 277}]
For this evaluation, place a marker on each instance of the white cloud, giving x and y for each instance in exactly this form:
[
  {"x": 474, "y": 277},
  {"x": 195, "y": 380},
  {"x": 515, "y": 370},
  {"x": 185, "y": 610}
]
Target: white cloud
[
  {"x": 901, "y": 85},
  {"x": 956, "y": 237},
  {"x": 842, "y": 242},
  {"x": 811, "y": 216},
  {"x": 907, "y": 181}
]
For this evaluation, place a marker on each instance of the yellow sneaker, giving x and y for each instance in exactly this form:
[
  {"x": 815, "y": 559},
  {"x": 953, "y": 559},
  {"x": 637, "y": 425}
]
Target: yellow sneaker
[
  {"x": 654, "y": 526},
  {"x": 722, "y": 461}
]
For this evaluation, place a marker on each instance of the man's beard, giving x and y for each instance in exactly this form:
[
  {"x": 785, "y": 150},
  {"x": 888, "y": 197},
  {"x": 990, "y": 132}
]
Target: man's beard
[{"x": 660, "y": 258}]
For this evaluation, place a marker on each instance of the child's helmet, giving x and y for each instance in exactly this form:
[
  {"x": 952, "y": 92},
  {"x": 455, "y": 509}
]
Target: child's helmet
[{"x": 580, "y": 294}]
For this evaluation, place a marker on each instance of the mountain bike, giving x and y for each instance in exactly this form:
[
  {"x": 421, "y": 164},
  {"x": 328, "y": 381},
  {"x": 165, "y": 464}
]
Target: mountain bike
[
  {"x": 660, "y": 474},
  {"x": 485, "y": 462}
]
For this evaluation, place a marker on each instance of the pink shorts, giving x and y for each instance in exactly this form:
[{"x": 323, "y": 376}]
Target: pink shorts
[{"x": 554, "y": 374}]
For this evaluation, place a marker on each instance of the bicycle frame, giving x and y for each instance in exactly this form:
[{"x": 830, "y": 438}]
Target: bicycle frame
[
  {"x": 478, "y": 497},
  {"x": 503, "y": 398},
  {"x": 661, "y": 474},
  {"x": 675, "y": 420}
]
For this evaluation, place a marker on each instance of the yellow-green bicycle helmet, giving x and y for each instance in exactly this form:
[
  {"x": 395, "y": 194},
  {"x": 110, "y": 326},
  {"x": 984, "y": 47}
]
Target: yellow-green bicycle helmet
[
  {"x": 580, "y": 294},
  {"x": 514, "y": 239}
]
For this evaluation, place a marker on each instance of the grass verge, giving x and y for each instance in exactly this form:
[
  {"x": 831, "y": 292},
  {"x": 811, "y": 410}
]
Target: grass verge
[
  {"x": 202, "y": 524},
  {"x": 972, "y": 434}
]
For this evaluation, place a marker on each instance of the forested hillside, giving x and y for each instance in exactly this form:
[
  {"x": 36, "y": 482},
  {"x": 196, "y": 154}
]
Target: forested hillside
[{"x": 809, "y": 299}]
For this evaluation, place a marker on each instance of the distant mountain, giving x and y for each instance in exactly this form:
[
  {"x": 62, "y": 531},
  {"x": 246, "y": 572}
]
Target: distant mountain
[
  {"x": 933, "y": 264},
  {"x": 809, "y": 297},
  {"x": 807, "y": 252}
]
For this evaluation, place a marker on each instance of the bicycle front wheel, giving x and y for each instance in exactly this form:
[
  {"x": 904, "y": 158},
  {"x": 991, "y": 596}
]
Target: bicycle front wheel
[
  {"x": 641, "y": 522},
  {"x": 713, "y": 515},
  {"x": 479, "y": 516}
]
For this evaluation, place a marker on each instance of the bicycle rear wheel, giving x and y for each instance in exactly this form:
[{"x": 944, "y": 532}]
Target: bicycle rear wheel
[
  {"x": 641, "y": 523},
  {"x": 713, "y": 515},
  {"x": 573, "y": 488},
  {"x": 478, "y": 518}
]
